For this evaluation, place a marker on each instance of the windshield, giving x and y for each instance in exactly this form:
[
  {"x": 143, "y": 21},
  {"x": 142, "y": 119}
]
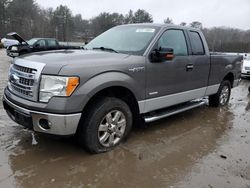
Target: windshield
[
  {"x": 32, "y": 41},
  {"x": 125, "y": 39}
]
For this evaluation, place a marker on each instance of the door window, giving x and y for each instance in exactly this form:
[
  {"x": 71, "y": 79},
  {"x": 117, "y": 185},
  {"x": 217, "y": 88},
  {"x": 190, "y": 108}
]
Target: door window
[
  {"x": 41, "y": 43},
  {"x": 174, "y": 39},
  {"x": 52, "y": 43}
]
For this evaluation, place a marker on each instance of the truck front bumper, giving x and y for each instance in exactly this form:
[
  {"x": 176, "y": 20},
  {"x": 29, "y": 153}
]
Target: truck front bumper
[
  {"x": 245, "y": 73},
  {"x": 12, "y": 54},
  {"x": 56, "y": 124}
]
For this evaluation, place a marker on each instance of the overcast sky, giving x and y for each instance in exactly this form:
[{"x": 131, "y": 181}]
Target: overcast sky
[{"x": 231, "y": 13}]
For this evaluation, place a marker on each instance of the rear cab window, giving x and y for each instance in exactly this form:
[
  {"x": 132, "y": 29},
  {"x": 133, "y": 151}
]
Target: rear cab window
[
  {"x": 52, "y": 43},
  {"x": 196, "y": 43}
]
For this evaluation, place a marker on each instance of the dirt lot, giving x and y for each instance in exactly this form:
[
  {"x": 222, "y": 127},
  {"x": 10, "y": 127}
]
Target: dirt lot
[{"x": 204, "y": 147}]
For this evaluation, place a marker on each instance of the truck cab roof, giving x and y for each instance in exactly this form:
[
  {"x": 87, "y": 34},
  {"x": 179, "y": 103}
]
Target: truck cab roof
[{"x": 162, "y": 26}]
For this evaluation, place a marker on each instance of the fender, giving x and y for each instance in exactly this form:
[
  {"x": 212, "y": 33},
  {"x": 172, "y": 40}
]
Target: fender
[
  {"x": 222, "y": 66},
  {"x": 110, "y": 79},
  {"x": 231, "y": 68}
]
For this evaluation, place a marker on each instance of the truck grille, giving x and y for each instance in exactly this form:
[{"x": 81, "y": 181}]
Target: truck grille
[
  {"x": 21, "y": 80},
  {"x": 24, "y": 69},
  {"x": 24, "y": 78},
  {"x": 26, "y": 82},
  {"x": 247, "y": 68}
]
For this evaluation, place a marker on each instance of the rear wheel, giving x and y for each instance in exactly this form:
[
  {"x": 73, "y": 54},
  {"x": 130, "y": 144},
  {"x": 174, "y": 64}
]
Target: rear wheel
[
  {"x": 249, "y": 89},
  {"x": 221, "y": 98},
  {"x": 107, "y": 123}
]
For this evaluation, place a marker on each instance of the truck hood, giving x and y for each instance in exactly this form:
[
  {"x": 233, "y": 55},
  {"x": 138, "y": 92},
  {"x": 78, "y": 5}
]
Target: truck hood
[
  {"x": 55, "y": 60},
  {"x": 17, "y": 37}
]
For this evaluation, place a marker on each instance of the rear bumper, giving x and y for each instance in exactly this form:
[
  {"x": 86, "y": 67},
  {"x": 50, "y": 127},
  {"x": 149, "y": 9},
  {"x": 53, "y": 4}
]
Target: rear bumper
[{"x": 58, "y": 124}]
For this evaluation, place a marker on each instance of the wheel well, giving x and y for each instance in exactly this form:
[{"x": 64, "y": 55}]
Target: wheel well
[
  {"x": 230, "y": 78},
  {"x": 119, "y": 92}
]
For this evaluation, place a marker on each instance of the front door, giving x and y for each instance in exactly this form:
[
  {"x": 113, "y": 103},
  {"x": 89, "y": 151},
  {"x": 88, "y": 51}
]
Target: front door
[{"x": 168, "y": 82}]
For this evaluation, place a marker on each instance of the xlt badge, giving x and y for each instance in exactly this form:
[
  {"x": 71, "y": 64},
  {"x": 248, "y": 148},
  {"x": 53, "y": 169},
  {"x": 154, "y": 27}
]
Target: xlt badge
[{"x": 137, "y": 69}]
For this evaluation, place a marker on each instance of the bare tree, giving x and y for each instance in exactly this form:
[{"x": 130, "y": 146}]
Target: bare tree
[
  {"x": 142, "y": 16},
  {"x": 183, "y": 24},
  {"x": 128, "y": 19},
  {"x": 168, "y": 21},
  {"x": 105, "y": 21},
  {"x": 3, "y": 16},
  {"x": 196, "y": 24}
]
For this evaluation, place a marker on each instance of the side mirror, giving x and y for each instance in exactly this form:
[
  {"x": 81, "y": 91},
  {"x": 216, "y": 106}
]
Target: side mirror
[
  {"x": 37, "y": 45},
  {"x": 163, "y": 54}
]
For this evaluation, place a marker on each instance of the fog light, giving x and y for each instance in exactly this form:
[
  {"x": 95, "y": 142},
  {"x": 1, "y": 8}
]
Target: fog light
[{"x": 44, "y": 123}]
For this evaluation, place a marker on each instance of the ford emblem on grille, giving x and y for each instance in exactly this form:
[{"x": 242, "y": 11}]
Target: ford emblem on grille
[{"x": 14, "y": 78}]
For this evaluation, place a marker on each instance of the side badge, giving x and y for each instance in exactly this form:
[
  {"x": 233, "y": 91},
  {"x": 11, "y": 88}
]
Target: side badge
[{"x": 137, "y": 69}]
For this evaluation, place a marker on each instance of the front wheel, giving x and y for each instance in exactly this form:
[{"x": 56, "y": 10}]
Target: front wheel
[
  {"x": 221, "y": 98},
  {"x": 107, "y": 123}
]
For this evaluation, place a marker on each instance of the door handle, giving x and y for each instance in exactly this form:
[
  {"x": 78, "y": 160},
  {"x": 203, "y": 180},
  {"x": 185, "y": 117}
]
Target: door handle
[{"x": 189, "y": 67}]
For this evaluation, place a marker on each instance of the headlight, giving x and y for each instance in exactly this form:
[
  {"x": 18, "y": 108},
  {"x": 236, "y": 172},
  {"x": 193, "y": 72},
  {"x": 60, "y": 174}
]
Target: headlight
[
  {"x": 14, "y": 48},
  {"x": 56, "y": 86}
]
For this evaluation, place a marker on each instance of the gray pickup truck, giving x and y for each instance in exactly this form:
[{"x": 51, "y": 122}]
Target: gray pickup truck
[{"x": 128, "y": 73}]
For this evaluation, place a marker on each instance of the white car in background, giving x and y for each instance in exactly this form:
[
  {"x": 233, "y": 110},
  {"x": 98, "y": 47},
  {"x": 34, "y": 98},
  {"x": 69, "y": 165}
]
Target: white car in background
[
  {"x": 245, "y": 72},
  {"x": 8, "y": 42}
]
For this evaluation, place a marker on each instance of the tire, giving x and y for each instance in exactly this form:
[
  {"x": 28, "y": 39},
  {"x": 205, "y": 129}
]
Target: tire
[
  {"x": 249, "y": 89},
  {"x": 221, "y": 98},
  {"x": 99, "y": 131}
]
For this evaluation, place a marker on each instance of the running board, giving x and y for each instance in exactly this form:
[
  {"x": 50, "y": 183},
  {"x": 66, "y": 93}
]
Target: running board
[{"x": 172, "y": 111}]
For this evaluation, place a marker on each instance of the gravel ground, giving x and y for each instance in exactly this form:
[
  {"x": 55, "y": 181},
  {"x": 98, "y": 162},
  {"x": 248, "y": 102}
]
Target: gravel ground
[{"x": 204, "y": 147}]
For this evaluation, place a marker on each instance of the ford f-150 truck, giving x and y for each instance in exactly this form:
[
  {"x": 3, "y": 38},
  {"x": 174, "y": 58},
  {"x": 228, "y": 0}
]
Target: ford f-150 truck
[{"x": 130, "y": 72}]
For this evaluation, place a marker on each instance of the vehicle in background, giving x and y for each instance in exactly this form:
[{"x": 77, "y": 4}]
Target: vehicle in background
[
  {"x": 128, "y": 73},
  {"x": 245, "y": 72},
  {"x": 34, "y": 45},
  {"x": 8, "y": 42},
  {"x": 1, "y": 44}
]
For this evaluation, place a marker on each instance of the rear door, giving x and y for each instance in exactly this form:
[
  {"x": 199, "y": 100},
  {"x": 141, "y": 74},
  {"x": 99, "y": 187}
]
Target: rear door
[{"x": 200, "y": 61}]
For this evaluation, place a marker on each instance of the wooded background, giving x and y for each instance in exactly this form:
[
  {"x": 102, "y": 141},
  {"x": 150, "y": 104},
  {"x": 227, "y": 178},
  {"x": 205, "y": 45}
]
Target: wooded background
[{"x": 29, "y": 19}]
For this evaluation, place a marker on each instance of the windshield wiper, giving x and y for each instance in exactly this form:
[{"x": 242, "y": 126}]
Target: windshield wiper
[{"x": 105, "y": 49}]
